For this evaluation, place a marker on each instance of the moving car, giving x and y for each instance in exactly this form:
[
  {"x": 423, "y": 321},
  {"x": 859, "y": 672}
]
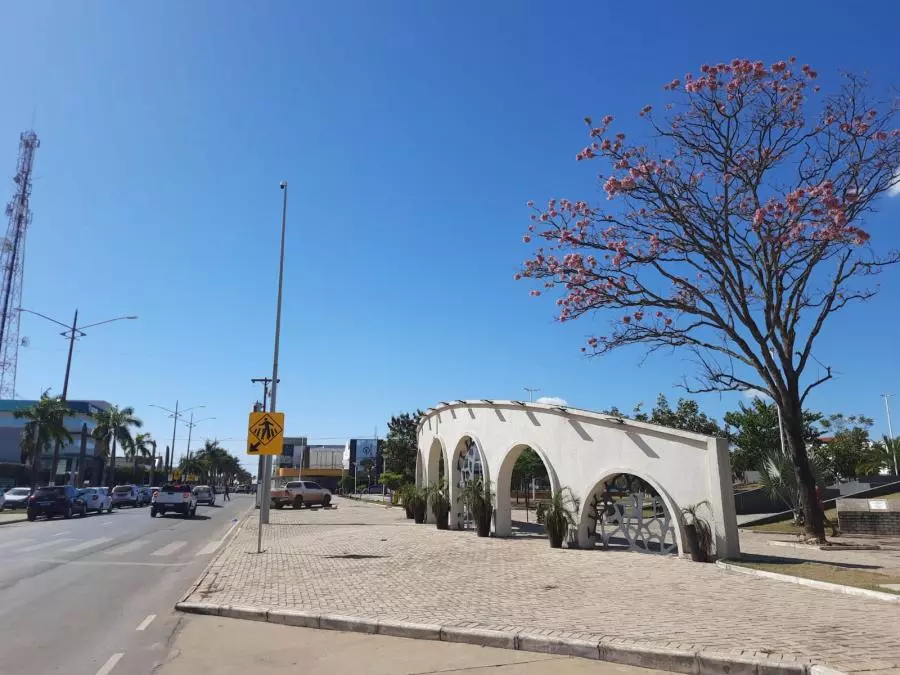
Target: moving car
[
  {"x": 126, "y": 495},
  {"x": 300, "y": 493},
  {"x": 205, "y": 494},
  {"x": 96, "y": 499},
  {"x": 55, "y": 500},
  {"x": 178, "y": 498},
  {"x": 16, "y": 498}
]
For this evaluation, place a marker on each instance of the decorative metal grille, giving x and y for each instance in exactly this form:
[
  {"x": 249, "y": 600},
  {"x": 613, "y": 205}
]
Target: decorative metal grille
[{"x": 630, "y": 513}]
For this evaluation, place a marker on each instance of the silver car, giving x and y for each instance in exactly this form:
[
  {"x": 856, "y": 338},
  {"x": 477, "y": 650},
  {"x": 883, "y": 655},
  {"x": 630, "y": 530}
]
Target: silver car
[
  {"x": 96, "y": 499},
  {"x": 205, "y": 494}
]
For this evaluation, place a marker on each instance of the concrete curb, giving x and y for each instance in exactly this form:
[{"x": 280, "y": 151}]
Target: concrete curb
[
  {"x": 23, "y": 519},
  {"x": 812, "y": 583},
  {"x": 605, "y": 649}
]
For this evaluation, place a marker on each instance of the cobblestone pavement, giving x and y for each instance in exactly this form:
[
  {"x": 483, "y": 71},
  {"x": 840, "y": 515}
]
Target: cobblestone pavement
[{"x": 367, "y": 560}]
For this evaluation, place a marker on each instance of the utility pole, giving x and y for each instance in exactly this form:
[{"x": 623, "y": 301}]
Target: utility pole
[
  {"x": 531, "y": 391},
  {"x": 175, "y": 415},
  {"x": 267, "y": 465},
  {"x": 887, "y": 409},
  {"x": 266, "y": 381}
]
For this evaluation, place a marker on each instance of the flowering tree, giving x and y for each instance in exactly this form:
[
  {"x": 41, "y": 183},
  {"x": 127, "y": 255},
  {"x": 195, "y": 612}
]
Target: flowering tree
[{"x": 736, "y": 235}]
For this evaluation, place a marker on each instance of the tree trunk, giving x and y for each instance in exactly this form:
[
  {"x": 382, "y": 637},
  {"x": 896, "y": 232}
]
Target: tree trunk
[
  {"x": 153, "y": 464},
  {"x": 54, "y": 463},
  {"x": 134, "y": 470},
  {"x": 814, "y": 520},
  {"x": 82, "y": 452},
  {"x": 111, "y": 482}
]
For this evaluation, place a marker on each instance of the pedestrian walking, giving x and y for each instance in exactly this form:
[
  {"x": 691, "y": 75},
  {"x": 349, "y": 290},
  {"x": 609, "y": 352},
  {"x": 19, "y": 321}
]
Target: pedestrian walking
[{"x": 227, "y": 496}]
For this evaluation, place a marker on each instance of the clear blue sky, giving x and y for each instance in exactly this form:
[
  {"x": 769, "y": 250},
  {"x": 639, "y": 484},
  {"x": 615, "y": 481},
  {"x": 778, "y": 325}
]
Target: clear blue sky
[{"x": 412, "y": 134}]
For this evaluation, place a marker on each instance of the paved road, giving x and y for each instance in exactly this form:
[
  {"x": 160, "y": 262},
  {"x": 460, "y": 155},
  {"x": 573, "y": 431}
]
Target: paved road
[
  {"x": 208, "y": 644},
  {"x": 94, "y": 595}
]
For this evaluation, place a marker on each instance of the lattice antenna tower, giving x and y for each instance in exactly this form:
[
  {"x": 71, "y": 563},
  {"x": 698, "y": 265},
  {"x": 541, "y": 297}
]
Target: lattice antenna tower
[{"x": 12, "y": 264}]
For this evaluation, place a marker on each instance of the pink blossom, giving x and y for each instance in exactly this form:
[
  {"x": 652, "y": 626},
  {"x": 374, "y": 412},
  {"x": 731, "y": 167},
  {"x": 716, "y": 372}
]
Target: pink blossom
[
  {"x": 646, "y": 109},
  {"x": 668, "y": 322},
  {"x": 526, "y": 239},
  {"x": 607, "y": 119},
  {"x": 534, "y": 294},
  {"x": 517, "y": 276},
  {"x": 530, "y": 204},
  {"x": 626, "y": 319}
]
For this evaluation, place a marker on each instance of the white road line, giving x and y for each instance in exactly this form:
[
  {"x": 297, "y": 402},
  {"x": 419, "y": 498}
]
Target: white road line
[
  {"x": 130, "y": 547},
  {"x": 59, "y": 534},
  {"x": 110, "y": 664},
  {"x": 169, "y": 549},
  {"x": 146, "y": 622},
  {"x": 16, "y": 542},
  {"x": 90, "y": 543},
  {"x": 212, "y": 546},
  {"x": 101, "y": 563},
  {"x": 46, "y": 544}
]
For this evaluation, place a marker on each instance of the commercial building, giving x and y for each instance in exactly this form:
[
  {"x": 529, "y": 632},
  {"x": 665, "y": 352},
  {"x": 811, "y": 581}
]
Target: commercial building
[
  {"x": 82, "y": 421},
  {"x": 320, "y": 463}
]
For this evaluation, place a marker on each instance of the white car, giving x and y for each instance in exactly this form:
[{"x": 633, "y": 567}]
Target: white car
[
  {"x": 16, "y": 498},
  {"x": 205, "y": 494},
  {"x": 178, "y": 498},
  {"x": 96, "y": 499},
  {"x": 300, "y": 493}
]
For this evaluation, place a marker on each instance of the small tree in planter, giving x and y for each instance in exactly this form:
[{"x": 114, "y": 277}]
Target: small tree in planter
[
  {"x": 697, "y": 533},
  {"x": 405, "y": 494},
  {"x": 438, "y": 496},
  {"x": 418, "y": 503},
  {"x": 559, "y": 516},
  {"x": 478, "y": 498}
]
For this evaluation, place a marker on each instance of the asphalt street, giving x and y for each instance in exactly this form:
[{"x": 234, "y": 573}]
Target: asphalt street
[{"x": 95, "y": 595}]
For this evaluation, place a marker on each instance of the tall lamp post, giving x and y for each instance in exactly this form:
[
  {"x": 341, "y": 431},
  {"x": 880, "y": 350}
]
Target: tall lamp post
[
  {"x": 71, "y": 333},
  {"x": 175, "y": 415},
  {"x": 190, "y": 425},
  {"x": 273, "y": 406}
]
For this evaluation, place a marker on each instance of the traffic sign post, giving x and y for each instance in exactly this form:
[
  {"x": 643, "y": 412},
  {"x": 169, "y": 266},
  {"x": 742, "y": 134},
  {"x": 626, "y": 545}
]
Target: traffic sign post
[{"x": 265, "y": 433}]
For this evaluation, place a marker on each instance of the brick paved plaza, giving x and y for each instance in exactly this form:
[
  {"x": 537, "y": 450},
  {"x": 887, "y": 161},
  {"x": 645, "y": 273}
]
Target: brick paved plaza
[{"x": 367, "y": 560}]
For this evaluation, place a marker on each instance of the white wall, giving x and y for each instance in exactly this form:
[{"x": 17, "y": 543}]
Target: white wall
[{"x": 582, "y": 449}]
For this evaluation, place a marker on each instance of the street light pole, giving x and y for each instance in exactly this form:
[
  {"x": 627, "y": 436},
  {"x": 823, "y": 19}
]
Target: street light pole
[
  {"x": 267, "y": 466},
  {"x": 887, "y": 409},
  {"x": 72, "y": 333},
  {"x": 531, "y": 391},
  {"x": 175, "y": 415}
]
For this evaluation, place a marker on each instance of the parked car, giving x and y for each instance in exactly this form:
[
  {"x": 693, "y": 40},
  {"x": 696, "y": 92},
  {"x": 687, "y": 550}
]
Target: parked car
[
  {"x": 178, "y": 498},
  {"x": 146, "y": 494},
  {"x": 300, "y": 493},
  {"x": 126, "y": 495},
  {"x": 55, "y": 500},
  {"x": 205, "y": 494},
  {"x": 96, "y": 499},
  {"x": 16, "y": 498}
]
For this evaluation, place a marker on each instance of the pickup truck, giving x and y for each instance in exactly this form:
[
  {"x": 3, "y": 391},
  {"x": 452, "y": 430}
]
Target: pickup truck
[
  {"x": 300, "y": 493},
  {"x": 178, "y": 498}
]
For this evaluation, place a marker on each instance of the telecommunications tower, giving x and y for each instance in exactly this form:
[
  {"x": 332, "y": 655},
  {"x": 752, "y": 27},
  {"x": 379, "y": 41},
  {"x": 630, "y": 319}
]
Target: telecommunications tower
[{"x": 12, "y": 264}]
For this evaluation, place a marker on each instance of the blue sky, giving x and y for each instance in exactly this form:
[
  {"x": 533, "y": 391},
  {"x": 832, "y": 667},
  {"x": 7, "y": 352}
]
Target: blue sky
[{"x": 412, "y": 134}]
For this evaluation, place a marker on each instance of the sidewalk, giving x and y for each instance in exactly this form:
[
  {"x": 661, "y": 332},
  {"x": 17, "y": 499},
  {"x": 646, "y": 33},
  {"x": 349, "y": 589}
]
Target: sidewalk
[{"x": 367, "y": 561}]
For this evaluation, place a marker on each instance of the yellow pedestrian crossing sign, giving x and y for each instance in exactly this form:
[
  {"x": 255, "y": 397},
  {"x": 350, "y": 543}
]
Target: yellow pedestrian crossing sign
[
  {"x": 265, "y": 433},
  {"x": 176, "y": 475}
]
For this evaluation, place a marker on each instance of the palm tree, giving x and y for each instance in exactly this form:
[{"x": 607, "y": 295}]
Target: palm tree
[
  {"x": 152, "y": 459},
  {"x": 113, "y": 426},
  {"x": 46, "y": 426},
  {"x": 213, "y": 456},
  {"x": 882, "y": 455},
  {"x": 139, "y": 448}
]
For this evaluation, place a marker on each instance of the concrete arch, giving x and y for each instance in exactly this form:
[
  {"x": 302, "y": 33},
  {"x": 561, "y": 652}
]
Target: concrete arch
[
  {"x": 586, "y": 537},
  {"x": 503, "y": 508},
  {"x": 580, "y": 447},
  {"x": 454, "y": 477}
]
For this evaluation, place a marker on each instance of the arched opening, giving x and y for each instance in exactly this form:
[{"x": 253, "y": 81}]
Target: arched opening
[
  {"x": 435, "y": 469},
  {"x": 420, "y": 470},
  {"x": 525, "y": 474},
  {"x": 466, "y": 464},
  {"x": 629, "y": 512}
]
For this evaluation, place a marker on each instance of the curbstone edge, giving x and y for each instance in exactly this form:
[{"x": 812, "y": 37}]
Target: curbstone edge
[
  {"x": 585, "y": 649},
  {"x": 294, "y": 617},
  {"x": 632, "y": 654},
  {"x": 405, "y": 629},
  {"x": 479, "y": 636},
  {"x": 207, "y": 608},
  {"x": 244, "y": 612},
  {"x": 347, "y": 623}
]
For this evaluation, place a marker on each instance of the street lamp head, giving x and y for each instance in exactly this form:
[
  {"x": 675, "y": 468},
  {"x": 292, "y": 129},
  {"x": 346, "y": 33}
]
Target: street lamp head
[
  {"x": 283, "y": 184},
  {"x": 130, "y": 317}
]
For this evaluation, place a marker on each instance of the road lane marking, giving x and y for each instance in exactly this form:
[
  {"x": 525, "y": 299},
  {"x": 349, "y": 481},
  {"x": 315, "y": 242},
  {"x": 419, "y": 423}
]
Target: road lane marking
[
  {"x": 46, "y": 544},
  {"x": 90, "y": 543},
  {"x": 59, "y": 534},
  {"x": 63, "y": 561},
  {"x": 127, "y": 548},
  {"x": 169, "y": 549},
  {"x": 212, "y": 546},
  {"x": 15, "y": 542},
  {"x": 110, "y": 664},
  {"x": 146, "y": 622}
]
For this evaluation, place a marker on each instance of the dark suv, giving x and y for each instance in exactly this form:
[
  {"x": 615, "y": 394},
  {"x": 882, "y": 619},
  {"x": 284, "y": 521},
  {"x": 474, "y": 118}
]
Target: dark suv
[{"x": 55, "y": 500}]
